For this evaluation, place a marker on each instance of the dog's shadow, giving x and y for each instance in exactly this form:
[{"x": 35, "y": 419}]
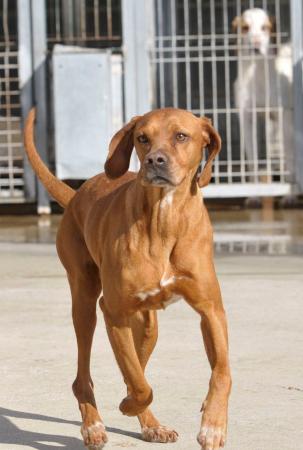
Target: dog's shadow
[{"x": 12, "y": 435}]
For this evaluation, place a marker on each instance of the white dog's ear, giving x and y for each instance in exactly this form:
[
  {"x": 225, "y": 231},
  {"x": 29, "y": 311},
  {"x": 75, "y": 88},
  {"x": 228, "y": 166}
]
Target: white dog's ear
[
  {"x": 272, "y": 23},
  {"x": 271, "y": 26},
  {"x": 212, "y": 143},
  {"x": 236, "y": 23},
  {"x": 120, "y": 150}
]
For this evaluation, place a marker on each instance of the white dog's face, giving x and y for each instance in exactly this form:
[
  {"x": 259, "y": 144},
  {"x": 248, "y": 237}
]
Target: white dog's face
[{"x": 255, "y": 28}]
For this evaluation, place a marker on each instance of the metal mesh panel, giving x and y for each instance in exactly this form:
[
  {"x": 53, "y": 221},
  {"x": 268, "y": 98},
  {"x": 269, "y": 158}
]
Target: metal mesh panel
[
  {"x": 11, "y": 153},
  {"x": 91, "y": 23},
  {"x": 197, "y": 57}
]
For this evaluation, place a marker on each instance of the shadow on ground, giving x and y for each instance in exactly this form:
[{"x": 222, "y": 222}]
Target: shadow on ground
[{"x": 11, "y": 434}]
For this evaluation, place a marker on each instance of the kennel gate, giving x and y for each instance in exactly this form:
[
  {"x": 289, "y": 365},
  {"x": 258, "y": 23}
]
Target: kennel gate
[
  {"x": 11, "y": 148},
  {"x": 30, "y": 29},
  {"x": 194, "y": 63}
]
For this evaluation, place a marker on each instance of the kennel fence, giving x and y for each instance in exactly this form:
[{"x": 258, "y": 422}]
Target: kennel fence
[
  {"x": 180, "y": 53},
  {"x": 196, "y": 56}
]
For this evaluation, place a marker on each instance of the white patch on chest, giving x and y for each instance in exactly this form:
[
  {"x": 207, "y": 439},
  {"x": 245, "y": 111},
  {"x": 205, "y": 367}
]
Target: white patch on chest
[
  {"x": 167, "y": 200},
  {"x": 163, "y": 283},
  {"x": 144, "y": 295}
]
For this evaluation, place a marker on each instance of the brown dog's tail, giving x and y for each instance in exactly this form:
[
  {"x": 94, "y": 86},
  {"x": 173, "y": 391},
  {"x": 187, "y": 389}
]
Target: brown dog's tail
[{"x": 61, "y": 192}]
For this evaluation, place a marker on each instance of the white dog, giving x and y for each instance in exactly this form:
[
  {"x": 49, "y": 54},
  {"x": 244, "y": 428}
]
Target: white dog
[{"x": 263, "y": 91}]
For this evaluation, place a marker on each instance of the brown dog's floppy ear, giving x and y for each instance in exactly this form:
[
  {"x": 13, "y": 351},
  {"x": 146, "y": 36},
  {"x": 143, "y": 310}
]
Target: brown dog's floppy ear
[
  {"x": 213, "y": 145},
  {"x": 120, "y": 150}
]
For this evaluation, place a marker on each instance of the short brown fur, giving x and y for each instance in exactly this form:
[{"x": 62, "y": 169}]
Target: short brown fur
[{"x": 141, "y": 240}]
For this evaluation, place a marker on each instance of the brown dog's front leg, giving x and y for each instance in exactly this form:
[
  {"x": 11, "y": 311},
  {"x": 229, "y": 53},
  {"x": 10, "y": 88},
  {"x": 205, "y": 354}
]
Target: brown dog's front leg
[
  {"x": 214, "y": 420},
  {"x": 144, "y": 326},
  {"x": 121, "y": 339},
  {"x": 206, "y": 300}
]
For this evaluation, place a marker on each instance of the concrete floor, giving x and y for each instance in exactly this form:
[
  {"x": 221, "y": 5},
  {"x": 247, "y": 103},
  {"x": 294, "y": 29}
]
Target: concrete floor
[{"x": 263, "y": 299}]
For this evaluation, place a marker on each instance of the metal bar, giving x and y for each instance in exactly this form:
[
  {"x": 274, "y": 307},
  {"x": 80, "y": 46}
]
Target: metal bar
[
  {"x": 79, "y": 13},
  {"x": 161, "y": 59},
  {"x": 57, "y": 20},
  {"x": 166, "y": 24},
  {"x": 254, "y": 137},
  {"x": 81, "y": 41},
  {"x": 96, "y": 19},
  {"x": 187, "y": 54},
  {"x": 246, "y": 190},
  {"x": 137, "y": 25},
  {"x": 83, "y": 19},
  {"x": 161, "y": 65},
  {"x": 218, "y": 35},
  {"x": 109, "y": 18},
  {"x": 129, "y": 52},
  {"x": 227, "y": 93},
  {"x": 174, "y": 54},
  {"x": 214, "y": 79},
  {"x": 282, "y": 149},
  {"x": 268, "y": 122},
  {"x": 232, "y": 110},
  {"x": 241, "y": 116},
  {"x": 39, "y": 65},
  {"x": 297, "y": 39},
  {"x": 67, "y": 19},
  {"x": 25, "y": 83},
  {"x": 201, "y": 59},
  {"x": 207, "y": 46}
]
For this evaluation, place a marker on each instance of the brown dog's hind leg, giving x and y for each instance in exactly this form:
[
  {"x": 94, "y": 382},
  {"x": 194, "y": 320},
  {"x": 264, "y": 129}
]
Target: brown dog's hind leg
[
  {"x": 85, "y": 293},
  {"x": 85, "y": 288},
  {"x": 145, "y": 332}
]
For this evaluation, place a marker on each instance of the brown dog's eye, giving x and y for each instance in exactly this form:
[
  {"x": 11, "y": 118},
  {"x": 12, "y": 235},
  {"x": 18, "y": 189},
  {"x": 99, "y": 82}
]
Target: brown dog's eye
[
  {"x": 181, "y": 137},
  {"x": 143, "y": 139}
]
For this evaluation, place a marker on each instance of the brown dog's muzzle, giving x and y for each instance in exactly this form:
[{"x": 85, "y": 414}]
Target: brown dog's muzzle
[{"x": 156, "y": 165}]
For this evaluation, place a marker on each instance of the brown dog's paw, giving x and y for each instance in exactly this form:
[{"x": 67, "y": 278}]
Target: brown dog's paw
[
  {"x": 159, "y": 434},
  {"x": 94, "y": 436},
  {"x": 213, "y": 430},
  {"x": 211, "y": 438},
  {"x": 132, "y": 407}
]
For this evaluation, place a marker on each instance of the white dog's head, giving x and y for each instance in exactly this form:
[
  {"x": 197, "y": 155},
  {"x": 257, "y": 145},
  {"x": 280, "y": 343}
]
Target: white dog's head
[{"x": 255, "y": 27}]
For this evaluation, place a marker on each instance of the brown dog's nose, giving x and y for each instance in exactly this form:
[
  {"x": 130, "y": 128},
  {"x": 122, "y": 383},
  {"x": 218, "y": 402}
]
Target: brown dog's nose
[{"x": 156, "y": 159}]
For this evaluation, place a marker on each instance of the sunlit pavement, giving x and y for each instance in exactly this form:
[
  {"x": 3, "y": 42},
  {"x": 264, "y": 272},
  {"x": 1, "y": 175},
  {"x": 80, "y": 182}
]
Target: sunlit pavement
[{"x": 260, "y": 269}]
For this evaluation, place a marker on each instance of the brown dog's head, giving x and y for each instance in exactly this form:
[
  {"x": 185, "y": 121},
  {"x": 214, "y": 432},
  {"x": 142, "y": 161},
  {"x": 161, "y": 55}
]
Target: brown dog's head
[{"x": 169, "y": 144}]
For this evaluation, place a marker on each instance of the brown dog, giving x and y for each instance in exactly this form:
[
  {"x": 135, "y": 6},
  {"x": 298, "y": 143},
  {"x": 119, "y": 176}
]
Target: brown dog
[{"x": 143, "y": 240}]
